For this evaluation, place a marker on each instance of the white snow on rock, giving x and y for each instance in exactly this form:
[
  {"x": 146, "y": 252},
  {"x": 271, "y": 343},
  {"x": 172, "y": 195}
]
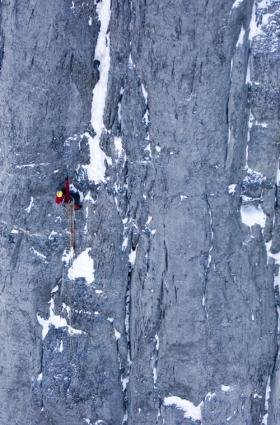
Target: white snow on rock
[
  {"x": 253, "y": 27},
  {"x": 261, "y": 124},
  {"x": 96, "y": 169},
  {"x": 232, "y": 188},
  {"x": 251, "y": 215},
  {"x": 89, "y": 198},
  {"x": 237, "y": 3},
  {"x": 240, "y": 40},
  {"x": 225, "y": 388},
  {"x": 82, "y": 266},
  {"x": 60, "y": 346},
  {"x": 56, "y": 321},
  {"x": 267, "y": 397},
  {"x": 125, "y": 243},
  {"x": 145, "y": 93},
  {"x": 39, "y": 255},
  {"x": 55, "y": 289},
  {"x": 117, "y": 334},
  {"x": 189, "y": 409},
  {"x": 132, "y": 257},
  {"x": 68, "y": 256},
  {"x": 278, "y": 177},
  {"x": 28, "y": 209}
]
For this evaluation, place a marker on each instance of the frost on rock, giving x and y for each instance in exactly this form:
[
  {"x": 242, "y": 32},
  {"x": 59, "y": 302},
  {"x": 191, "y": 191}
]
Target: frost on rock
[
  {"x": 96, "y": 169},
  {"x": 189, "y": 409},
  {"x": 82, "y": 267}
]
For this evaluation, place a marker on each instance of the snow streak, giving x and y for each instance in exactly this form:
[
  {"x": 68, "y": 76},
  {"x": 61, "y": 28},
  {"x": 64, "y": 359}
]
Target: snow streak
[{"x": 102, "y": 54}]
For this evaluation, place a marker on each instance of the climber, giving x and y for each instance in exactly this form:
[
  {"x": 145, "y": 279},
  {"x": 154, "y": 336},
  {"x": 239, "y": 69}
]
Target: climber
[{"x": 65, "y": 195}]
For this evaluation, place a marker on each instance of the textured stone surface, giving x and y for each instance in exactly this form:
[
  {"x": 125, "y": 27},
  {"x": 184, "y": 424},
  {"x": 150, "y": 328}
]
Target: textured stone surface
[{"x": 184, "y": 299}]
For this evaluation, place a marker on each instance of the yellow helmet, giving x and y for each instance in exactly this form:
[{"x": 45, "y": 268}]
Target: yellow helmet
[{"x": 59, "y": 194}]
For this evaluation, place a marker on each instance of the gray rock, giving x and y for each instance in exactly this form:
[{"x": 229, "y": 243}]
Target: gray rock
[{"x": 185, "y": 294}]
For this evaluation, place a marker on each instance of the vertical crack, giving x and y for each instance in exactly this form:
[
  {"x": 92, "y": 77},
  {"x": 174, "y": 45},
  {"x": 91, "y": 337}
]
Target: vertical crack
[{"x": 209, "y": 258}]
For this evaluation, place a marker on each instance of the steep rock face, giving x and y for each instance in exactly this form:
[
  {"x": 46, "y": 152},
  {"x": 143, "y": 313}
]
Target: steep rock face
[{"x": 167, "y": 312}]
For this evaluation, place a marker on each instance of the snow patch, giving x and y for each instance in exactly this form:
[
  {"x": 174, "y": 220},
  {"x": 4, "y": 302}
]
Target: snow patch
[
  {"x": 125, "y": 243},
  {"x": 60, "y": 346},
  {"x": 252, "y": 215},
  {"x": 97, "y": 168},
  {"x": 225, "y": 388},
  {"x": 52, "y": 234},
  {"x": 117, "y": 334},
  {"x": 118, "y": 145},
  {"x": 89, "y": 198},
  {"x": 55, "y": 289},
  {"x": 267, "y": 397},
  {"x": 55, "y": 321},
  {"x": 189, "y": 409},
  {"x": 82, "y": 267},
  {"x": 232, "y": 188},
  {"x": 39, "y": 254},
  {"x": 240, "y": 40},
  {"x": 28, "y": 209},
  {"x": 278, "y": 177},
  {"x": 132, "y": 256},
  {"x": 145, "y": 93},
  {"x": 253, "y": 27},
  {"x": 236, "y": 4},
  {"x": 68, "y": 256}
]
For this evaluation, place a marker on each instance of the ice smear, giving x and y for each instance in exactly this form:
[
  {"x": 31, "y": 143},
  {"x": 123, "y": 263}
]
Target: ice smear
[
  {"x": 251, "y": 215},
  {"x": 82, "y": 267},
  {"x": 189, "y": 409},
  {"x": 96, "y": 169}
]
